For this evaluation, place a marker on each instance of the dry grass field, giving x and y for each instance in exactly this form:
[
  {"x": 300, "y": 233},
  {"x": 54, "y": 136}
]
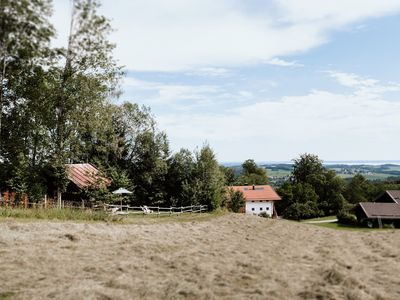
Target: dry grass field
[{"x": 224, "y": 257}]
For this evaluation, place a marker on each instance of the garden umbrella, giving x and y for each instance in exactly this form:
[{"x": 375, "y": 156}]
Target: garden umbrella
[{"x": 121, "y": 191}]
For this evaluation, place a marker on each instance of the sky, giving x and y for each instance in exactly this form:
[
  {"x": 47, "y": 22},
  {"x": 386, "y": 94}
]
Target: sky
[{"x": 262, "y": 79}]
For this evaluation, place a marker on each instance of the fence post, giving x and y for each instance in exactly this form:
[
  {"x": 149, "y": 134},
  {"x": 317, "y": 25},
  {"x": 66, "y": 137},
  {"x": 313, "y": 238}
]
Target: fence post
[
  {"x": 12, "y": 199},
  {"x": 6, "y": 198},
  {"x": 45, "y": 201}
]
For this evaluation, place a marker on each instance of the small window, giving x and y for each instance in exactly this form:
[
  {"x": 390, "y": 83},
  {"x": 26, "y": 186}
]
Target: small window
[
  {"x": 252, "y": 208},
  {"x": 267, "y": 208},
  {"x": 260, "y": 208},
  {"x": 252, "y": 201}
]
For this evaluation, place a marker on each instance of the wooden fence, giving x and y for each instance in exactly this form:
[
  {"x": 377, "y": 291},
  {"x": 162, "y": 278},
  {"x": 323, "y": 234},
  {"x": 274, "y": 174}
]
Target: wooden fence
[
  {"x": 156, "y": 210},
  {"x": 12, "y": 200}
]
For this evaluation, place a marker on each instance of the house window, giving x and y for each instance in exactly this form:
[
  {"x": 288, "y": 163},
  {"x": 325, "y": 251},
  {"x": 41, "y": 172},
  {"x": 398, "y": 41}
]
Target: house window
[
  {"x": 267, "y": 208},
  {"x": 260, "y": 208},
  {"x": 252, "y": 208}
]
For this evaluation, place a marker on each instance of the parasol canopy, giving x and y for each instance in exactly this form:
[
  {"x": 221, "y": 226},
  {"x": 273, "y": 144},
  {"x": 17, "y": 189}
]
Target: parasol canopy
[{"x": 121, "y": 191}]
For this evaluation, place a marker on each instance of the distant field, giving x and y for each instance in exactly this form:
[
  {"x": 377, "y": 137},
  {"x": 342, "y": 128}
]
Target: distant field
[
  {"x": 225, "y": 257},
  {"x": 371, "y": 172}
]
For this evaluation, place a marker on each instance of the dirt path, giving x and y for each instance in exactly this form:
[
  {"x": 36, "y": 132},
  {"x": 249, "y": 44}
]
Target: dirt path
[
  {"x": 321, "y": 221},
  {"x": 229, "y": 257}
]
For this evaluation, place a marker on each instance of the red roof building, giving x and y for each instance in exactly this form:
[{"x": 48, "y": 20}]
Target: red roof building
[
  {"x": 259, "y": 198},
  {"x": 85, "y": 176}
]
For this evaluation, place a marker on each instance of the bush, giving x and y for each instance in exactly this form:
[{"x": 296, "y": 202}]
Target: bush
[
  {"x": 234, "y": 200},
  {"x": 389, "y": 226},
  {"x": 345, "y": 217},
  {"x": 264, "y": 214}
]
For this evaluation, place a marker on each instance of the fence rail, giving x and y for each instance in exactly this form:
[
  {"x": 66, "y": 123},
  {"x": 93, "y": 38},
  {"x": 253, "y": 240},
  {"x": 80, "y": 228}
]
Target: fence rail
[{"x": 157, "y": 210}]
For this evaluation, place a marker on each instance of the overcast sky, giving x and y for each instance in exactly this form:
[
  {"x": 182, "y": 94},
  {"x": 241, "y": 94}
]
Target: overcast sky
[{"x": 263, "y": 79}]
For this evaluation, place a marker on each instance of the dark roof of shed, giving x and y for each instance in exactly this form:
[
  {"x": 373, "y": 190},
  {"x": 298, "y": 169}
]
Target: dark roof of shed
[
  {"x": 395, "y": 195},
  {"x": 374, "y": 210},
  {"x": 85, "y": 175}
]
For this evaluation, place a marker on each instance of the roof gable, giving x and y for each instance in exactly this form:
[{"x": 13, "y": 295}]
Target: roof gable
[
  {"x": 395, "y": 195},
  {"x": 257, "y": 192}
]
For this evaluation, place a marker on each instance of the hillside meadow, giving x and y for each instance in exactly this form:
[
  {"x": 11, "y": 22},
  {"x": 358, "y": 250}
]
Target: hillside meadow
[{"x": 227, "y": 256}]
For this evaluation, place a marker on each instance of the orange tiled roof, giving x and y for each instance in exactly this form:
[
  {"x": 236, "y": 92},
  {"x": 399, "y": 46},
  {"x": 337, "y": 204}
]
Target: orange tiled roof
[
  {"x": 85, "y": 175},
  {"x": 257, "y": 192}
]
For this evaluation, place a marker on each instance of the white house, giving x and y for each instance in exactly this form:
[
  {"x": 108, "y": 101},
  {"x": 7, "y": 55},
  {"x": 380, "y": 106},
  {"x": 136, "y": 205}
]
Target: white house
[{"x": 259, "y": 198}]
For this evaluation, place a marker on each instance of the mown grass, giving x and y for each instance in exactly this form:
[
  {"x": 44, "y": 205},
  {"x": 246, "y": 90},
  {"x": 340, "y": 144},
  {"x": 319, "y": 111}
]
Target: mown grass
[
  {"x": 54, "y": 214},
  {"x": 68, "y": 214}
]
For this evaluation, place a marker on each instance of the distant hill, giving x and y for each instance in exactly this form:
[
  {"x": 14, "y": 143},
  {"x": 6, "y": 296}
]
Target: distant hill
[{"x": 279, "y": 172}]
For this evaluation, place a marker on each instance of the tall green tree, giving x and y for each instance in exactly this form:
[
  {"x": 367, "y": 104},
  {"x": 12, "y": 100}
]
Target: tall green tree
[
  {"x": 84, "y": 82},
  {"x": 252, "y": 174},
  {"x": 229, "y": 174},
  {"x": 148, "y": 167},
  {"x": 208, "y": 182},
  {"x": 312, "y": 190},
  {"x": 181, "y": 168},
  {"x": 25, "y": 33},
  {"x": 358, "y": 189}
]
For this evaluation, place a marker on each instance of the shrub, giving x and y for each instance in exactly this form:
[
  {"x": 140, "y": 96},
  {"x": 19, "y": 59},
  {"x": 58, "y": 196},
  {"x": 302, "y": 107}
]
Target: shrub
[
  {"x": 237, "y": 200},
  {"x": 389, "y": 226},
  {"x": 345, "y": 217},
  {"x": 264, "y": 214}
]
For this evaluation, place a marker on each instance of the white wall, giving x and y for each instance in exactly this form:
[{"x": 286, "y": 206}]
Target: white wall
[{"x": 257, "y": 207}]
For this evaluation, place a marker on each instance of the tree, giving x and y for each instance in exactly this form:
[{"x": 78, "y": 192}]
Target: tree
[
  {"x": 252, "y": 174},
  {"x": 235, "y": 200},
  {"x": 299, "y": 201},
  {"x": 181, "y": 167},
  {"x": 357, "y": 189},
  {"x": 229, "y": 174},
  {"x": 208, "y": 184},
  {"x": 25, "y": 34},
  {"x": 312, "y": 190},
  {"x": 83, "y": 84},
  {"x": 307, "y": 168},
  {"x": 148, "y": 167}
]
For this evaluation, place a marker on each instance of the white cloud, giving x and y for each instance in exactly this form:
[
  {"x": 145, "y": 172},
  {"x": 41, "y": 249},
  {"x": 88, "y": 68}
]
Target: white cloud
[
  {"x": 176, "y": 35},
  {"x": 359, "y": 124},
  {"x": 211, "y": 72},
  {"x": 364, "y": 87},
  {"x": 175, "y": 96},
  {"x": 352, "y": 80},
  {"x": 284, "y": 63}
]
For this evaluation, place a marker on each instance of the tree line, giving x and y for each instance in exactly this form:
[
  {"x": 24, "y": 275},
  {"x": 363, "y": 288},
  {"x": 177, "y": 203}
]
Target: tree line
[
  {"x": 56, "y": 107},
  {"x": 314, "y": 191}
]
